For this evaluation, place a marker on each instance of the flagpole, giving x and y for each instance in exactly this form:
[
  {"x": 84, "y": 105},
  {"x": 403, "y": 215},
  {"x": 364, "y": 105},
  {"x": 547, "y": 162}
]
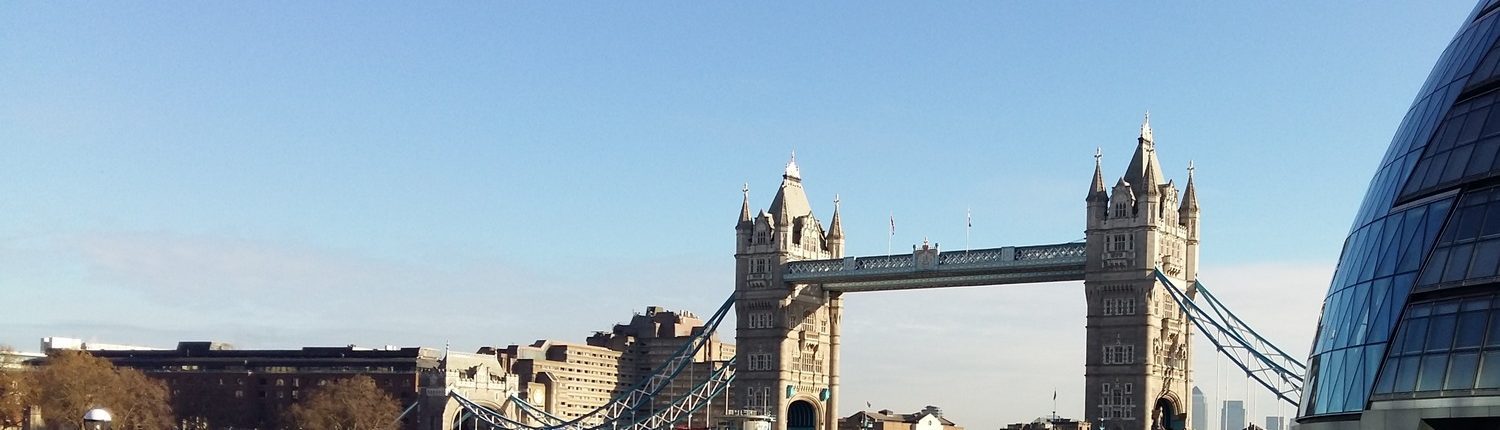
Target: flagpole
[
  {"x": 969, "y": 225},
  {"x": 889, "y": 236}
]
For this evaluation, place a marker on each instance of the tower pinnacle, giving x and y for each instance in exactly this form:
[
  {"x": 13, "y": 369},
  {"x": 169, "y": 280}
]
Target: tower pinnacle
[
  {"x": 1189, "y": 195},
  {"x": 791, "y": 168},
  {"x": 835, "y": 227},
  {"x": 1096, "y": 189},
  {"x": 1146, "y": 128},
  {"x": 745, "y": 205},
  {"x": 1144, "y": 170}
]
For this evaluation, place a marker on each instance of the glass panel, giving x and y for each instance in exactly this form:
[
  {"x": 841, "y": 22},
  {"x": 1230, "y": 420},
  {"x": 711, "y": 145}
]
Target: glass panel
[
  {"x": 1461, "y": 371},
  {"x": 1434, "y": 270},
  {"x": 1355, "y": 369},
  {"x": 1486, "y": 258},
  {"x": 1489, "y": 370},
  {"x": 1420, "y": 310},
  {"x": 1491, "y": 221},
  {"x": 1445, "y": 307},
  {"x": 1473, "y": 124},
  {"x": 1476, "y": 304},
  {"x": 1457, "y": 161},
  {"x": 1336, "y": 395},
  {"x": 1458, "y": 262},
  {"x": 1413, "y": 335},
  {"x": 1387, "y": 377},
  {"x": 1484, "y": 155},
  {"x": 1469, "y": 221},
  {"x": 1356, "y": 317},
  {"x": 1389, "y": 246},
  {"x": 1440, "y": 333},
  {"x": 1406, "y": 375},
  {"x": 1434, "y": 367},
  {"x": 1470, "y": 329}
]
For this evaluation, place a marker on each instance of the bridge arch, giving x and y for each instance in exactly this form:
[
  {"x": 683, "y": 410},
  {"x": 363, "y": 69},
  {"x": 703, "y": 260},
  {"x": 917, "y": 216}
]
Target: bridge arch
[
  {"x": 802, "y": 413},
  {"x": 453, "y": 411},
  {"x": 1167, "y": 413}
]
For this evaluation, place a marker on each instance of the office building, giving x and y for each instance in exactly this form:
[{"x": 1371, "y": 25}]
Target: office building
[{"x": 1405, "y": 340}]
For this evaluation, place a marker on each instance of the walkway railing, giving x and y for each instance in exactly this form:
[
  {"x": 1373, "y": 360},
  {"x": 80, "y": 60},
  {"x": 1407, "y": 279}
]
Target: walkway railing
[{"x": 926, "y": 268}]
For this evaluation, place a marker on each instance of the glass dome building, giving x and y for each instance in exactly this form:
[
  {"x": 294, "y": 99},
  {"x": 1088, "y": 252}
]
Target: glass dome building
[{"x": 1410, "y": 331}]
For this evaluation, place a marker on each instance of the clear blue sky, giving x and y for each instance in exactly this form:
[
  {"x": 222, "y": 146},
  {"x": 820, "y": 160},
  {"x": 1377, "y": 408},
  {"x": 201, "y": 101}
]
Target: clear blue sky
[{"x": 285, "y": 174}]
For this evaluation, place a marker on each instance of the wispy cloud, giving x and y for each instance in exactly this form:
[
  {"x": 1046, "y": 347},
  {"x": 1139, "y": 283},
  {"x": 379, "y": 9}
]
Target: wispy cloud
[{"x": 256, "y": 293}]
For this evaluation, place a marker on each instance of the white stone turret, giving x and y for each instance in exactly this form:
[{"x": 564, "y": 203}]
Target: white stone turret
[
  {"x": 835, "y": 238},
  {"x": 1098, "y": 198}
]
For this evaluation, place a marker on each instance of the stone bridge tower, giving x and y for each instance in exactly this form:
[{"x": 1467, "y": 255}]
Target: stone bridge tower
[
  {"x": 787, "y": 335},
  {"x": 1139, "y": 343}
]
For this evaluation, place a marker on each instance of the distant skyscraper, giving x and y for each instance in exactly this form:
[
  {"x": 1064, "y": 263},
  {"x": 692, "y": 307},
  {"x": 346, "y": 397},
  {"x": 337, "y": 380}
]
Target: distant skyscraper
[
  {"x": 1232, "y": 416},
  {"x": 1274, "y": 423},
  {"x": 1200, "y": 410}
]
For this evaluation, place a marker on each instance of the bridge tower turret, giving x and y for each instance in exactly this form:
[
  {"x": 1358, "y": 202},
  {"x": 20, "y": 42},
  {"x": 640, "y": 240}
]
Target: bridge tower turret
[
  {"x": 1138, "y": 342},
  {"x": 786, "y": 335}
]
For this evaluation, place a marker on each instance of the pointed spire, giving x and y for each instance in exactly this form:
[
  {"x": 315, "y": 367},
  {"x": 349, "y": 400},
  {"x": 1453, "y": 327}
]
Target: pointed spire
[
  {"x": 1146, "y": 128},
  {"x": 790, "y": 201},
  {"x": 1152, "y": 179},
  {"x": 1096, "y": 189},
  {"x": 836, "y": 227},
  {"x": 1189, "y": 194},
  {"x": 745, "y": 206},
  {"x": 1144, "y": 163},
  {"x": 791, "y": 168}
]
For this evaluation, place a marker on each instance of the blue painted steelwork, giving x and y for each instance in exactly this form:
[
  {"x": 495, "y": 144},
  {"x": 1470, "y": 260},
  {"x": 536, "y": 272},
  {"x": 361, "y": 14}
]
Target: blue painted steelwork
[
  {"x": 925, "y": 268},
  {"x": 1259, "y": 358}
]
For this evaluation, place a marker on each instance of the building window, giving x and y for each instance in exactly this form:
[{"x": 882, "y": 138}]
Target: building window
[
  {"x": 760, "y": 361},
  {"x": 761, "y": 320},
  {"x": 1119, "y": 306},
  {"x": 759, "y": 265},
  {"x": 1116, "y": 402},
  {"x": 1119, "y": 354}
]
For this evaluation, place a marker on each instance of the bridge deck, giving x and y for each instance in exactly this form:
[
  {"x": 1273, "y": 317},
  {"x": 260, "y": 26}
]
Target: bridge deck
[{"x": 931, "y": 269}]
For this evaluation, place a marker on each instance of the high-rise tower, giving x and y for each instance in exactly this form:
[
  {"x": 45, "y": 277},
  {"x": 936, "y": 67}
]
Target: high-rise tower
[
  {"x": 1139, "y": 344},
  {"x": 787, "y": 335}
]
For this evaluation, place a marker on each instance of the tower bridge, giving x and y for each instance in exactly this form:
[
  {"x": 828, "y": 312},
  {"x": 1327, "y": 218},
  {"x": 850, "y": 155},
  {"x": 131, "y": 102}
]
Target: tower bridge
[
  {"x": 1141, "y": 243},
  {"x": 791, "y": 274}
]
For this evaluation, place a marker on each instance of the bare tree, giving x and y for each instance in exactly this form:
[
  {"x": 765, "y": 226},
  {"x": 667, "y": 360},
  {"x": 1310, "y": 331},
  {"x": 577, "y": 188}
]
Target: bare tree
[
  {"x": 72, "y": 382},
  {"x": 142, "y": 402},
  {"x": 15, "y": 389},
  {"x": 346, "y": 404}
]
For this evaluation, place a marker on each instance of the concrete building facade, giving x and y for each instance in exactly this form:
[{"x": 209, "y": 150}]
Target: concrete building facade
[
  {"x": 1200, "y": 410},
  {"x": 221, "y": 387},
  {"x": 569, "y": 380},
  {"x": 1232, "y": 415},
  {"x": 929, "y": 418}
]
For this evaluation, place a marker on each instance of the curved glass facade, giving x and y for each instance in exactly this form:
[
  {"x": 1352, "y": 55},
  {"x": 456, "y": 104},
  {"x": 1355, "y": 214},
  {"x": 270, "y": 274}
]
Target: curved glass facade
[{"x": 1408, "y": 313}]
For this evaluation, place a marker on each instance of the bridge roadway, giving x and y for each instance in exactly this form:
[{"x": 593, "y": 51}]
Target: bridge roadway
[{"x": 928, "y": 268}]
